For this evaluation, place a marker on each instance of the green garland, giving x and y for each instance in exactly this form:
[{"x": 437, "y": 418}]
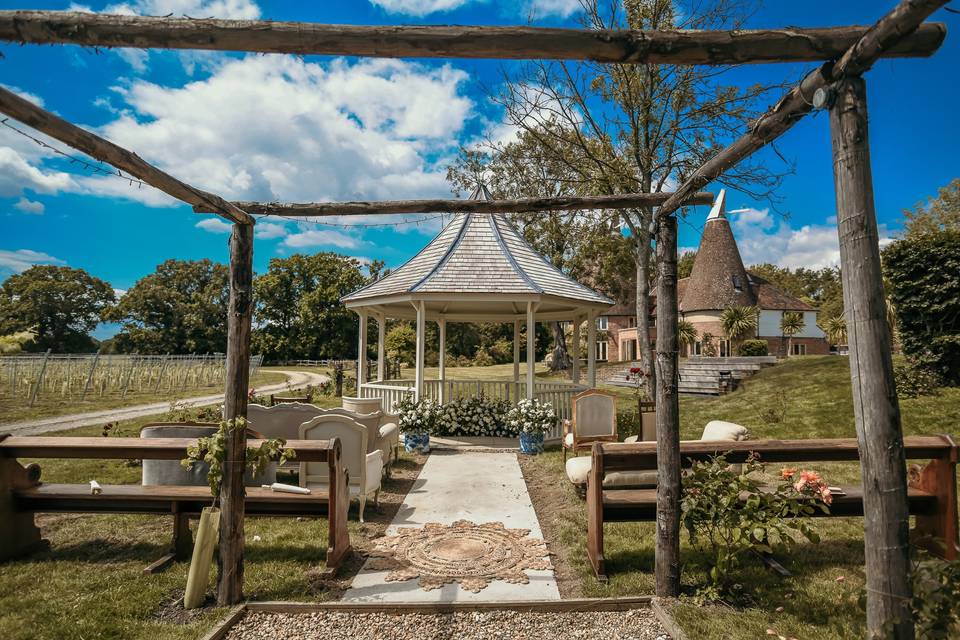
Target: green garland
[{"x": 212, "y": 450}]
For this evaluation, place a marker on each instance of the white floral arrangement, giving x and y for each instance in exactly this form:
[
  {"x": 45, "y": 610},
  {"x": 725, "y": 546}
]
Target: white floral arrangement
[
  {"x": 419, "y": 416},
  {"x": 478, "y": 416},
  {"x": 532, "y": 417}
]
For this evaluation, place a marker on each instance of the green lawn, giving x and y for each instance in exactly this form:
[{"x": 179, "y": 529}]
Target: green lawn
[
  {"x": 90, "y": 583},
  {"x": 815, "y": 604},
  {"x": 16, "y": 409}
]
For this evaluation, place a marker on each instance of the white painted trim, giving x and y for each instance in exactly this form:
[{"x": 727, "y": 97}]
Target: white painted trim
[
  {"x": 362, "y": 349},
  {"x": 381, "y": 348},
  {"x": 516, "y": 351},
  {"x": 442, "y": 322},
  {"x": 421, "y": 340}
]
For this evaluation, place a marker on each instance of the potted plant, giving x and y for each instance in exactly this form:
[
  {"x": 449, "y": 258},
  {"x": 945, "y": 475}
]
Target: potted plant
[
  {"x": 418, "y": 419},
  {"x": 531, "y": 419}
]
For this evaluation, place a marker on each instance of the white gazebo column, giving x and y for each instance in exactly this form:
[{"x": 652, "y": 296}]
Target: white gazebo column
[
  {"x": 516, "y": 358},
  {"x": 442, "y": 365},
  {"x": 575, "y": 346},
  {"x": 381, "y": 349},
  {"x": 531, "y": 348},
  {"x": 592, "y": 349},
  {"x": 421, "y": 326},
  {"x": 362, "y": 352}
]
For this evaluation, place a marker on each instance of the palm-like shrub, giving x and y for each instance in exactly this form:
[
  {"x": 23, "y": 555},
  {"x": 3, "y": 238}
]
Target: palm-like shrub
[
  {"x": 790, "y": 325},
  {"x": 737, "y": 322},
  {"x": 686, "y": 332},
  {"x": 836, "y": 329}
]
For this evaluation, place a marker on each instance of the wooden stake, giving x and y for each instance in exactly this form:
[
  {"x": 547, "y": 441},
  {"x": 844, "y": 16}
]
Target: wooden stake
[
  {"x": 516, "y": 205},
  {"x": 668, "y": 415},
  {"x": 875, "y": 405},
  {"x": 240, "y": 312},
  {"x": 602, "y": 45}
]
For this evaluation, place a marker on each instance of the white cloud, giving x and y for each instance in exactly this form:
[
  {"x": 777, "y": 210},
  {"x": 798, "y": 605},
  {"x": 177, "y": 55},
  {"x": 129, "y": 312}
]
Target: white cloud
[
  {"x": 543, "y": 8},
  {"x": 320, "y": 238},
  {"x": 269, "y": 230},
  {"x": 214, "y": 225},
  {"x": 22, "y": 259},
  {"x": 419, "y": 7},
  {"x": 763, "y": 238},
  {"x": 18, "y": 174},
  {"x": 29, "y": 206},
  {"x": 531, "y": 9},
  {"x": 119, "y": 293},
  {"x": 26, "y": 95}
]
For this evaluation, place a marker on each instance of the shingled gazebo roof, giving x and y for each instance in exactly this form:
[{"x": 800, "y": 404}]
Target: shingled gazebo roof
[
  {"x": 718, "y": 279},
  {"x": 479, "y": 268}
]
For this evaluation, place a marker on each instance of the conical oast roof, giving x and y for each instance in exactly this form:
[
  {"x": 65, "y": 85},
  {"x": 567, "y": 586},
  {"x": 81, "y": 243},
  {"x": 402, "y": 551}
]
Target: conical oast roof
[
  {"x": 718, "y": 279},
  {"x": 478, "y": 254}
]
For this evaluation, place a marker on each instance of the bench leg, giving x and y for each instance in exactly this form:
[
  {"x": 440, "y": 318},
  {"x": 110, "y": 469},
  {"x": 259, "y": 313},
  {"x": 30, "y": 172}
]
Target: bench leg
[
  {"x": 19, "y": 534},
  {"x": 180, "y": 549},
  {"x": 338, "y": 537},
  {"x": 938, "y": 532}
]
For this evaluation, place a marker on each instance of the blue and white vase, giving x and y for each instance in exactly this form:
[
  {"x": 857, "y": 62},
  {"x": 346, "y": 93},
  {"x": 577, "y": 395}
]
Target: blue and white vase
[
  {"x": 531, "y": 443},
  {"x": 416, "y": 442}
]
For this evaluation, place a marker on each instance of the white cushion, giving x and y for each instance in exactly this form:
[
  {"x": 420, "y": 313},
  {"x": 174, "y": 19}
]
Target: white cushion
[
  {"x": 721, "y": 430},
  {"x": 578, "y": 470},
  {"x": 568, "y": 440}
]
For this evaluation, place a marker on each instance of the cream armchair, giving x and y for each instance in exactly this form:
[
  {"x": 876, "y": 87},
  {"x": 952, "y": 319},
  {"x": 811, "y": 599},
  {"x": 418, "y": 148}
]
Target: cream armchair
[
  {"x": 387, "y": 430},
  {"x": 281, "y": 421},
  {"x": 594, "y": 420},
  {"x": 364, "y": 469}
]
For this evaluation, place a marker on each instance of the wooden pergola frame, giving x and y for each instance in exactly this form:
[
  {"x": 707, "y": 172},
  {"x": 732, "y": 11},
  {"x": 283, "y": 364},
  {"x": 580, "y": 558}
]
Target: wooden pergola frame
[{"x": 837, "y": 86}]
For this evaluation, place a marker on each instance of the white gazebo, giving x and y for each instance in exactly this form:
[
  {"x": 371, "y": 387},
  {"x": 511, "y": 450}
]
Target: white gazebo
[{"x": 477, "y": 269}]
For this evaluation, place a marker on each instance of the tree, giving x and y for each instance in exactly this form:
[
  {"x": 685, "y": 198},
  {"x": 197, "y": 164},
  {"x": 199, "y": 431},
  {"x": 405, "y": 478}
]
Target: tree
[
  {"x": 836, "y": 329},
  {"x": 400, "y": 343},
  {"x": 820, "y": 288},
  {"x": 792, "y": 323},
  {"x": 60, "y": 305},
  {"x": 686, "y": 332},
  {"x": 179, "y": 308},
  {"x": 941, "y": 213},
  {"x": 685, "y": 264},
  {"x": 738, "y": 322},
  {"x": 299, "y": 313},
  {"x": 922, "y": 272},
  {"x": 615, "y": 128}
]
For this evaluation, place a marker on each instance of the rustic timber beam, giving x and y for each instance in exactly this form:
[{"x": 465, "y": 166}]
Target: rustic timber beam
[
  {"x": 518, "y": 205},
  {"x": 106, "y": 151},
  {"x": 900, "y": 23},
  {"x": 667, "y": 47}
]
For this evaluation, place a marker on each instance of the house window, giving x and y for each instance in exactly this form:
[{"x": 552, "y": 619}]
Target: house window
[
  {"x": 631, "y": 322},
  {"x": 725, "y": 348},
  {"x": 601, "y": 350},
  {"x": 629, "y": 350},
  {"x": 698, "y": 348},
  {"x": 798, "y": 350},
  {"x": 602, "y": 323}
]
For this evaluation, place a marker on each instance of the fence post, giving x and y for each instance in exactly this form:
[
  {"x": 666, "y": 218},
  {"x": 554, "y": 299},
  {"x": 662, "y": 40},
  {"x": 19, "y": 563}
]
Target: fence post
[
  {"x": 86, "y": 385},
  {"x": 126, "y": 383},
  {"x": 43, "y": 370}
]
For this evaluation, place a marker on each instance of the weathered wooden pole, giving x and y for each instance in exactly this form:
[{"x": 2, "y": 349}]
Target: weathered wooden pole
[
  {"x": 876, "y": 410},
  {"x": 668, "y": 414},
  {"x": 239, "y": 314}
]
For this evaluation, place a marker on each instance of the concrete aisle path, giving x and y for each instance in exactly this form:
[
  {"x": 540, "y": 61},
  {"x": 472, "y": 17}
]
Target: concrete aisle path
[
  {"x": 480, "y": 487},
  {"x": 295, "y": 380}
]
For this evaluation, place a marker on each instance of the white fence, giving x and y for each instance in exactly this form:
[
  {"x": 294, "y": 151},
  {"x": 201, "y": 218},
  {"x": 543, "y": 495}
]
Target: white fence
[
  {"x": 78, "y": 376},
  {"x": 558, "y": 394}
]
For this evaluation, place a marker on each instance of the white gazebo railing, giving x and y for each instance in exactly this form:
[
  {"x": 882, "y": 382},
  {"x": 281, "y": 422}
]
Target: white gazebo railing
[{"x": 558, "y": 394}]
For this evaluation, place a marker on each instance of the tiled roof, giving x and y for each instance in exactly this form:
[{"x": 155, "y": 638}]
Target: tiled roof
[{"x": 479, "y": 254}]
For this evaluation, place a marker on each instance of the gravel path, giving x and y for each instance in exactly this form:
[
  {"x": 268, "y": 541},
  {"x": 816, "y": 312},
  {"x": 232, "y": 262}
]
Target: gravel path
[
  {"x": 295, "y": 380},
  {"x": 636, "y": 624}
]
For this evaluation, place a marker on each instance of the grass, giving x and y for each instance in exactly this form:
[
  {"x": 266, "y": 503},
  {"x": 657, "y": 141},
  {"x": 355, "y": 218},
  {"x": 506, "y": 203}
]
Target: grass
[
  {"x": 90, "y": 583},
  {"x": 16, "y": 409},
  {"x": 817, "y": 404}
]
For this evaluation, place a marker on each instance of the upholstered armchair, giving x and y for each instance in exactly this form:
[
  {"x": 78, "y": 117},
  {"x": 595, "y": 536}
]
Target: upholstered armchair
[
  {"x": 281, "y": 421},
  {"x": 388, "y": 431},
  {"x": 364, "y": 469},
  {"x": 594, "y": 420}
]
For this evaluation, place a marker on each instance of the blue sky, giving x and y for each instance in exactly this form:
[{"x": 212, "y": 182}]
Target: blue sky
[{"x": 280, "y": 127}]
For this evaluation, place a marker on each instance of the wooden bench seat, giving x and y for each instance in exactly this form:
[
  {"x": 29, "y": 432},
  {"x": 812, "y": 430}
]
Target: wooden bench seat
[
  {"x": 22, "y": 494},
  {"x": 931, "y": 494}
]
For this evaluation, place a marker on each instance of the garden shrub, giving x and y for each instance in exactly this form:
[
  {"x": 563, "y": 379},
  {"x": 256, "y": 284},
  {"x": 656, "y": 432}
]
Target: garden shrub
[
  {"x": 936, "y": 598},
  {"x": 753, "y": 348},
  {"x": 915, "y": 379},
  {"x": 628, "y": 424},
  {"x": 482, "y": 358},
  {"x": 729, "y": 513},
  {"x": 502, "y": 351}
]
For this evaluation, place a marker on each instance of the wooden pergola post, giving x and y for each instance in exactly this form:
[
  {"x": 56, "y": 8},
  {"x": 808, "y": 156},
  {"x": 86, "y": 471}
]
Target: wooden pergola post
[
  {"x": 239, "y": 315},
  {"x": 667, "y": 559},
  {"x": 875, "y": 405}
]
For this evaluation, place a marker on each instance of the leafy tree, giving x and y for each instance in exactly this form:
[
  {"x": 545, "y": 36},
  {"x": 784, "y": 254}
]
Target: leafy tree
[
  {"x": 821, "y": 288},
  {"x": 922, "y": 272},
  {"x": 738, "y": 322},
  {"x": 401, "y": 342},
  {"x": 836, "y": 329},
  {"x": 60, "y": 305},
  {"x": 14, "y": 343},
  {"x": 940, "y": 214},
  {"x": 615, "y": 128},
  {"x": 685, "y": 263},
  {"x": 791, "y": 323},
  {"x": 179, "y": 308},
  {"x": 686, "y": 332},
  {"x": 299, "y": 313}
]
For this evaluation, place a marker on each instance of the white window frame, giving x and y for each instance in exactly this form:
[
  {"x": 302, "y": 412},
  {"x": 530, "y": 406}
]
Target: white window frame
[
  {"x": 798, "y": 349},
  {"x": 602, "y": 350},
  {"x": 602, "y": 323},
  {"x": 698, "y": 348},
  {"x": 723, "y": 348}
]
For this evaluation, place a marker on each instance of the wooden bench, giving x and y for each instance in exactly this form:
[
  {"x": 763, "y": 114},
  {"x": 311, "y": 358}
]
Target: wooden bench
[
  {"x": 932, "y": 491},
  {"x": 22, "y": 494}
]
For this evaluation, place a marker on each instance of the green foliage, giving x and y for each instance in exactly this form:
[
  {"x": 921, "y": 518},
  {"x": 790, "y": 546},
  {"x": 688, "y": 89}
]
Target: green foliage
[
  {"x": 482, "y": 358},
  {"x": 753, "y": 348},
  {"x": 836, "y": 329},
  {"x": 686, "y": 332},
  {"x": 476, "y": 416},
  {"x": 685, "y": 264},
  {"x": 299, "y": 313},
  {"x": 820, "y": 288},
  {"x": 773, "y": 409},
  {"x": 922, "y": 271},
  {"x": 936, "y": 598},
  {"x": 940, "y": 214},
  {"x": 791, "y": 323},
  {"x": 401, "y": 343},
  {"x": 502, "y": 351},
  {"x": 728, "y": 513},
  {"x": 212, "y": 451},
  {"x": 709, "y": 346},
  {"x": 59, "y": 305},
  {"x": 915, "y": 379},
  {"x": 14, "y": 343},
  {"x": 738, "y": 322},
  {"x": 628, "y": 424},
  {"x": 180, "y": 308}
]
